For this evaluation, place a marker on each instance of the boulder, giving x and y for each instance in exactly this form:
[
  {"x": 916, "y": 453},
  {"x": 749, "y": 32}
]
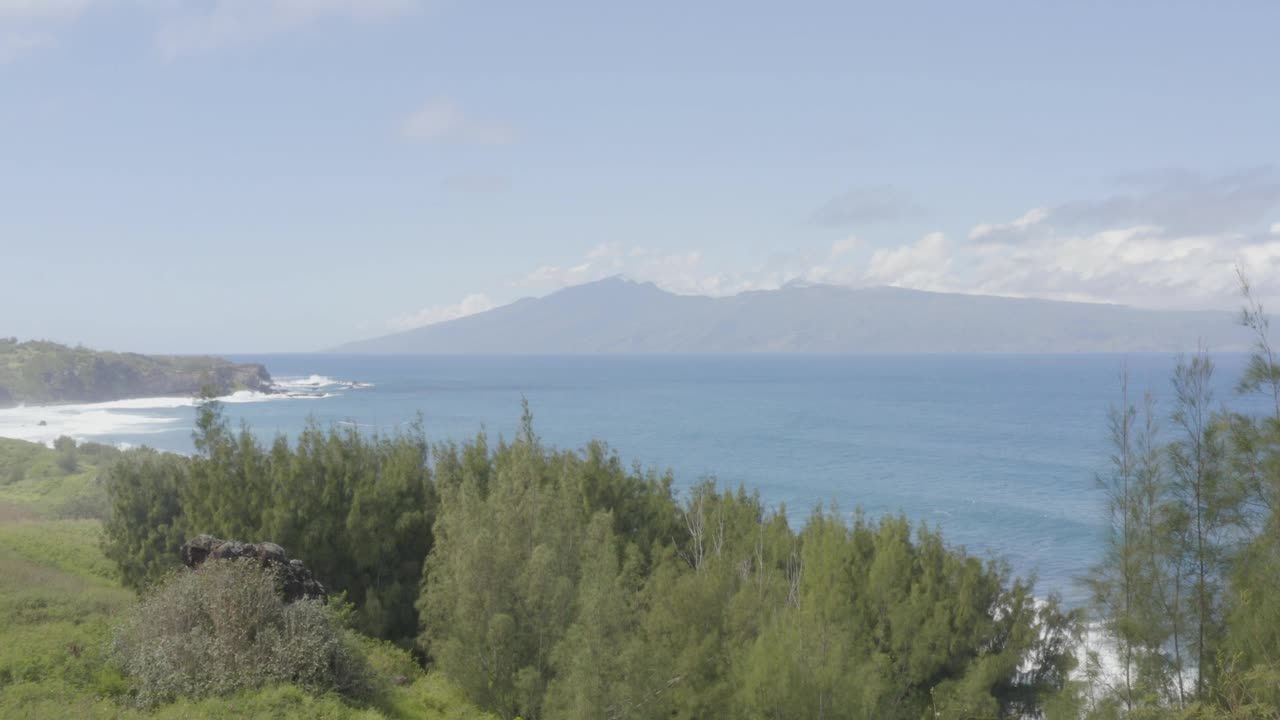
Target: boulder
[{"x": 296, "y": 581}]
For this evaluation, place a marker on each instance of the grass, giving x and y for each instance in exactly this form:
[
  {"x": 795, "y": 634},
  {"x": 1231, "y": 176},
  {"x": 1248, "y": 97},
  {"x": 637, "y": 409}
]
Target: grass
[
  {"x": 33, "y": 481},
  {"x": 59, "y": 601}
]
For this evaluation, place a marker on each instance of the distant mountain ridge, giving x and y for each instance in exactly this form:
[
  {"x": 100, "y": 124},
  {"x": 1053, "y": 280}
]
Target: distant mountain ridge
[{"x": 617, "y": 315}]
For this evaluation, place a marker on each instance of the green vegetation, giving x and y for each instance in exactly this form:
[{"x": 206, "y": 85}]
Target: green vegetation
[
  {"x": 536, "y": 582},
  {"x": 226, "y": 628},
  {"x": 356, "y": 509},
  {"x": 1188, "y": 591},
  {"x": 58, "y": 483},
  {"x": 37, "y": 372},
  {"x": 546, "y": 583},
  {"x": 61, "y": 603}
]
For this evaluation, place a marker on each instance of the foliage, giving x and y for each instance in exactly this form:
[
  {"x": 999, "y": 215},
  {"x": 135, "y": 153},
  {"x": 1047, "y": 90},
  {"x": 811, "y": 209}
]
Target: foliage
[
  {"x": 59, "y": 599},
  {"x": 548, "y": 583},
  {"x": 33, "y": 476},
  {"x": 1188, "y": 591},
  {"x": 45, "y": 372},
  {"x": 145, "y": 529},
  {"x": 537, "y": 605},
  {"x": 357, "y": 510},
  {"x": 560, "y": 583},
  {"x": 225, "y": 628}
]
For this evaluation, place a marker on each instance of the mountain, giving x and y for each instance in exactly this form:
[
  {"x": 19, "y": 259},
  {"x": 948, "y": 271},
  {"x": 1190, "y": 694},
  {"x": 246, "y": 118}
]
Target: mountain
[
  {"x": 617, "y": 315},
  {"x": 45, "y": 372}
]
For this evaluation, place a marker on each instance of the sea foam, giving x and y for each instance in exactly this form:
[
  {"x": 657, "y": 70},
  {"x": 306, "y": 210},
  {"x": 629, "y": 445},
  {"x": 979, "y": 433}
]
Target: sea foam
[
  {"x": 316, "y": 382},
  {"x": 45, "y": 423},
  {"x": 92, "y": 421}
]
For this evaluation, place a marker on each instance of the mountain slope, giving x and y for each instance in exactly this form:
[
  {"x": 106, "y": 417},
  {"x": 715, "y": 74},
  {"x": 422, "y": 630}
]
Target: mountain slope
[{"x": 616, "y": 315}]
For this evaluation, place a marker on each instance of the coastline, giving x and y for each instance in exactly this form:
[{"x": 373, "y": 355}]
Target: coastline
[{"x": 44, "y": 422}]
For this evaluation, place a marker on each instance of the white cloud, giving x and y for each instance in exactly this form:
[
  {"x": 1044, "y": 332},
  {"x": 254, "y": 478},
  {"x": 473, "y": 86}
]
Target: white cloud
[
  {"x": 184, "y": 26},
  {"x": 41, "y": 10},
  {"x": 605, "y": 250},
  {"x": 1144, "y": 265},
  {"x": 845, "y": 246},
  {"x": 231, "y": 22},
  {"x": 17, "y": 43},
  {"x": 27, "y": 25},
  {"x": 1159, "y": 256},
  {"x": 441, "y": 120},
  {"x": 923, "y": 265},
  {"x": 469, "y": 305},
  {"x": 997, "y": 231},
  {"x": 1181, "y": 202},
  {"x": 686, "y": 272}
]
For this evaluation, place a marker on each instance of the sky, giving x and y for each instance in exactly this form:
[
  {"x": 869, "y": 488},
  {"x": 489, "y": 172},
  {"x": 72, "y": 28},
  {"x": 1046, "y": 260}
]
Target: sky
[{"x": 286, "y": 175}]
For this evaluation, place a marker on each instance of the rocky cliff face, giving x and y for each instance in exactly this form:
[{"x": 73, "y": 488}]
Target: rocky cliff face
[
  {"x": 296, "y": 581},
  {"x": 43, "y": 372},
  {"x": 224, "y": 379}
]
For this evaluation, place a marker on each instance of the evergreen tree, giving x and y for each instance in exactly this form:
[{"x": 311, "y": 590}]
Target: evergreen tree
[
  {"x": 1206, "y": 506},
  {"x": 144, "y": 530}
]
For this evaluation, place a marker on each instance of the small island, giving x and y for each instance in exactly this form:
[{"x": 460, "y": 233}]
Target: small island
[{"x": 42, "y": 372}]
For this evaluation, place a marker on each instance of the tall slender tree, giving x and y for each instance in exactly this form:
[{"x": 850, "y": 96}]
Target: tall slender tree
[
  {"x": 1115, "y": 581},
  {"x": 1206, "y": 505}
]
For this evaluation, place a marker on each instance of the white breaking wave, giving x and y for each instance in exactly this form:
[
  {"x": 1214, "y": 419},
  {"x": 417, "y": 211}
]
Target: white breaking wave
[
  {"x": 91, "y": 421},
  {"x": 316, "y": 382},
  {"x": 248, "y": 396},
  {"x": 311, "y": 381},
  {"x": 45, "y": 423},
  {"x": 155, "y": 403}
]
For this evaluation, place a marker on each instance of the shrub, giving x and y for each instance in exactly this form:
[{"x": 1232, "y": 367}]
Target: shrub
[
  {"x": 224, "y": 628},
  {"x": 67, "y": 460},
  {"x": 90, "y": 504}
]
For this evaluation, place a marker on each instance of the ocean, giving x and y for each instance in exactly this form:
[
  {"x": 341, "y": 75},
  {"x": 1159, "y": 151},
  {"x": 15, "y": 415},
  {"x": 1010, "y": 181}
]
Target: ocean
[{"x": 999, "y": 451}]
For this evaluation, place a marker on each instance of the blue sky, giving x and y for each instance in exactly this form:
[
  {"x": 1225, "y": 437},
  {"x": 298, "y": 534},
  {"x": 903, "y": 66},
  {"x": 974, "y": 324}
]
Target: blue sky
[{"x": 285, "y": 175}]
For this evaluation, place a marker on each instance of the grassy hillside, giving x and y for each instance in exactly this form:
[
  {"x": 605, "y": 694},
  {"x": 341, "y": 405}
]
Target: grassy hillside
[
  {"x": 59, "y": 600},
  {"x": 46, "y": 372}
]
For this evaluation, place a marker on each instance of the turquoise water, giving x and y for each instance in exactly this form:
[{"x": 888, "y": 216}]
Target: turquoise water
[{"x": 998, "y": 451}]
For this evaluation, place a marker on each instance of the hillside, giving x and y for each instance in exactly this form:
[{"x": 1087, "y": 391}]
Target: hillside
[
  {"x": 38, "y": 372},
  {"x": 616, "y": 315},
  {"x": 60, "y": 598}
]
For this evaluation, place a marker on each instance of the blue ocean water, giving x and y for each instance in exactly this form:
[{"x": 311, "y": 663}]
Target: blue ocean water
[{"x": 999, "y": 451}]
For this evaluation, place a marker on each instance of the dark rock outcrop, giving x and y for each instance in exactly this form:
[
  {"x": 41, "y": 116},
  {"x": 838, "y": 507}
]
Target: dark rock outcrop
[{"x": 296, "y": 581}]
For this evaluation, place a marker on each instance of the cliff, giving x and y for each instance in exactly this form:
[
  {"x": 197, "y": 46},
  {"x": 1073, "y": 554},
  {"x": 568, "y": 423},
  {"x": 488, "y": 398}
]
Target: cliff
[{"x": 39, "y": 372}]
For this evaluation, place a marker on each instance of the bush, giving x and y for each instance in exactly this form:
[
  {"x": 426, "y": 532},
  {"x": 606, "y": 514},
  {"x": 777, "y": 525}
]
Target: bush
[
  {"x": 224, "y": 628},
  {"x": 67, "y": 459}
]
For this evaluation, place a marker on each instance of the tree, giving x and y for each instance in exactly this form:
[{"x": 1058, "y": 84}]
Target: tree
[
  {"x": 66, "y": 449},
  {"x": 1206, "y": 504},
  {"x": 1115, "y": 581},
  {"x": 144, "y": 530}
]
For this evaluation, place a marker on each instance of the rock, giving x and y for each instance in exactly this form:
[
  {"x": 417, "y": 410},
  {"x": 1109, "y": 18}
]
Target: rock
[{"x": 296, "y": 581}]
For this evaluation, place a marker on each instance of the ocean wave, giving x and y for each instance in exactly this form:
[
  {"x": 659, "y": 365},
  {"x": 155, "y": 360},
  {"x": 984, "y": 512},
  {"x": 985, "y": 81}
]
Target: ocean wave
[
  {"x": 45, "y": 423},
  {"x": 95, "y": 421},
  {"x": 316, "y": 382},
  {"x": 155, "y": 403},
  {"x": 310, "y": 381},
  {"x": 250, "y": 396}
]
